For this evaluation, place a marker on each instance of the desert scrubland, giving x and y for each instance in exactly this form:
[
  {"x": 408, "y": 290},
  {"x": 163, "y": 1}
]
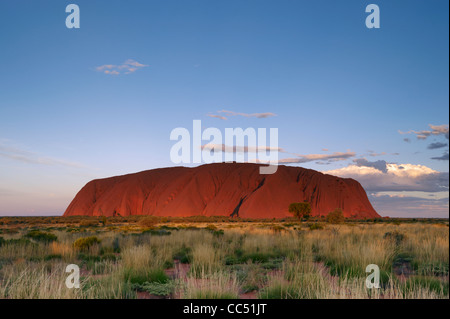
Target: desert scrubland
[{"x": 145, "y": 257}]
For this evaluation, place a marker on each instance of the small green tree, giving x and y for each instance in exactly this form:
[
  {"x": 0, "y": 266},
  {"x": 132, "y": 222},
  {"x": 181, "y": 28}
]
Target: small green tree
[
  {"x": 300, "y": 210},
  {"x": 336, "y": 216}
]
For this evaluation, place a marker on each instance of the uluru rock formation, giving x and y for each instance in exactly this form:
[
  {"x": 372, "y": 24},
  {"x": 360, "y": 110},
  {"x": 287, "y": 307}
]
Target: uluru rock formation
[{"x": 222, "y": 189}]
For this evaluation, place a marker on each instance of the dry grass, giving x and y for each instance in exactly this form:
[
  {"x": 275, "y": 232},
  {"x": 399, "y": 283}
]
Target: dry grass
[{"x": 276, "y": 260}]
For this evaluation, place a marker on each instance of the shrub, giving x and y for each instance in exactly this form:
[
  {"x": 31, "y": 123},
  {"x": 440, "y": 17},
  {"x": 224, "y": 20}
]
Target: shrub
[
  {"x": 277, "y": 228},
  {"x": 148, "y": 276},
  {"x": 168, "y": 264},
  {"x": 20, "y": 241},
  {"x": 149, "y": 221},
  {"x": 273, "y": 264},
  {"x": 184, "y": 255},
  {"x": 104, "y": 220},
  {"x": 300, "y": 210},
  {"x": 157, "y": 232},
  {"x": 280, "y": 290},
  {"x": 41, "y": 236},
  {"x": 336, "y": 216},
  {"x": 257, "y": 257},
  {"x": 315, "y": 226},
  {"x": 218, "y": 233},
  {"x": 85, "y": 243},
  {"x": 211, "y": 227},
  {"x": 88, "y": 223},
  {"x": 156, "y": 288},
  {"x": 53, "y": 257},
  {"x": 116, "y": 245},
  {"x": 232, "y": 260}
]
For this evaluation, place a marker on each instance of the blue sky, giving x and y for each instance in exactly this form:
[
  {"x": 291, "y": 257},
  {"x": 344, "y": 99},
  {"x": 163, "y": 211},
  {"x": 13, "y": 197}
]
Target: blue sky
[{"x": 334, "y": 85}]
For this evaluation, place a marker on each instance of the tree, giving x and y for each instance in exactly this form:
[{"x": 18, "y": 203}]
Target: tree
[
  {"x": 300, "y": 210},
  {"x": 336, "y": 216}
]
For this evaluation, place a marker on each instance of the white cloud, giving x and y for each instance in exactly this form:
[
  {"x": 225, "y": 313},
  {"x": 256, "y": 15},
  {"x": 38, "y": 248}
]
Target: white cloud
[
  {"x": 397, "y": 177},
  {"x": 336, "y": 156},
  {"x": 217, "y": 116},
  {"x": 231, "y": 113},
  {"x": 129, "y": 66}
]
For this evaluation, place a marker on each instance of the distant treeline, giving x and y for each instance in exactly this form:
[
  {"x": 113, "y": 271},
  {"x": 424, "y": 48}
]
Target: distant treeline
[{"x": 8, "y": 220}]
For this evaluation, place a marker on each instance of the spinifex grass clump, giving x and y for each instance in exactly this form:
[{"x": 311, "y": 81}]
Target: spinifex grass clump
[
  {"x": 205, "y": 260},
  {"x": 41, "y": 236},
  {"x": 157, "y": 288},
  {"x": 428, "y": 247},
  {"x": 108, "y": 287},
  {"x": 250, "y": 276},
  {"x": 184, "y": 255},
  {"x": 436, "y": 285},
  {"x": 300, "y": 278},
  {"x": 218, "y": 285},
  {"x": 140, "y": 277},
  {"x": 347, "y": 252}
]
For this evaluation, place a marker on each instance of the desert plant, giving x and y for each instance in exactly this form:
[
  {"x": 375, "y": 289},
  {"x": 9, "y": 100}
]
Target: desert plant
[
  {"x": 41, "y": 236},
  {"x": 315, "y": 226},
  {"x": 85, "y": 243},
  {"x": 184, "y": 255},
  {"x": 300, "y": 210},
  {"x": 149, "y": 222},
  {"x": 395, "y": 236},
  {"x": 88, "y": 223},
  {"x": 336, "y": 216},
  {"x": 310, "y": 264},
  {"x": 141, "y": 277},
  {"x": 156, "y": 288},
  {"x": 219, "y": 285}
]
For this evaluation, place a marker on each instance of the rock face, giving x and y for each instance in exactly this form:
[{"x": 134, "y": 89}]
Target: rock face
[{"x": 222, "y": 189}]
